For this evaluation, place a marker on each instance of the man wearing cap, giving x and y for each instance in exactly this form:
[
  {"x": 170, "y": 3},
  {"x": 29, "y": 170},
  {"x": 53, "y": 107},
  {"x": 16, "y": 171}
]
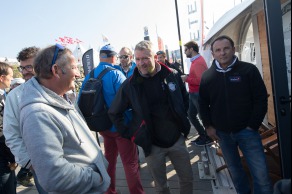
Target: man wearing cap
[
  {"x": 12, "y": 119},
  {"x": 161, "y": 58},
  {"x": 127, "y": 65},
  {"x": 16, "y": 82},
  {"x": 114, "y": 144}
]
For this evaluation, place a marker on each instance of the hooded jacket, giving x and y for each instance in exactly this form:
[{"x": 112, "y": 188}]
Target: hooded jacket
[
  {"x": 131, "y": 95},
  {"x": 62, "y": 149},
  {"x": 11, "y": 127},
  {"x": 233, "y": 100},
  {"x": 5, "y": 154}
]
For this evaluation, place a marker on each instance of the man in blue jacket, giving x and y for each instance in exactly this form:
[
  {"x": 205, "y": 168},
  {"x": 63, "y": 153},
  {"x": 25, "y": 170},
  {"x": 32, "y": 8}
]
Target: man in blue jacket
[
  {"x": 233, "y": 104},
  {"x": 127, "y": 65},
  {"x": 114, "y": 144}
]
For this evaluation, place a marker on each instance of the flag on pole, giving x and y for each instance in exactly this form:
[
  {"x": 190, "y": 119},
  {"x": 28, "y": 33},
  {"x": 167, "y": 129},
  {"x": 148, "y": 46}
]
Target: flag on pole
[
  {"x": 67, "y": 40},
  {"x": 105, "y": 39},
  {"x": 160, "y": 43}
]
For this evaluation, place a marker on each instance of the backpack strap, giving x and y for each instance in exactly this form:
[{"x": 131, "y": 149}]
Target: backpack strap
[
  {"x": 104, "y": 72},
  {"x": 92, "y": 73}
]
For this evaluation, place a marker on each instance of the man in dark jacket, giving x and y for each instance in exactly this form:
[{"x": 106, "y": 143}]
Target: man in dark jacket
[
  {"x": 7, "y": 161},
  {"x": 233, "y": 103},
  {"x": 161, "y": 58},
  {"x": 160, "y": 125}
]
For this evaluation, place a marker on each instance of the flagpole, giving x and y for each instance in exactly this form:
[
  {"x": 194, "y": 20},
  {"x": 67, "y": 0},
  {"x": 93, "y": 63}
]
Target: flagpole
[
  {"x": 179, "y": 36},
  {"x": 203, "y": 23}
]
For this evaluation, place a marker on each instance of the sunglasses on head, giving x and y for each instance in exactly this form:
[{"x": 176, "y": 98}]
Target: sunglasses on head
[{"x": 58, "y": 47}]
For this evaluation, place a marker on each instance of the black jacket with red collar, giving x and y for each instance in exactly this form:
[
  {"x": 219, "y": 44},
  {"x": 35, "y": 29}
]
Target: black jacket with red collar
[{"x": 131, "y": 96}]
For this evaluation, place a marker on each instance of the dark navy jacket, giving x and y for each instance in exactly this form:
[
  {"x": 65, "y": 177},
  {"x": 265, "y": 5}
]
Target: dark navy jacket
[{"x": 234, "y": 100}]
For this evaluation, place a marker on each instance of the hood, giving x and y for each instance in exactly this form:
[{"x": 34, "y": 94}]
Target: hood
[{"x": 33, "y": 92}]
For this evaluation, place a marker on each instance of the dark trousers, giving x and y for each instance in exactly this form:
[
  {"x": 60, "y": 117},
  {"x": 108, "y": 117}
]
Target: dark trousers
[{"x": 8, "y": 182}]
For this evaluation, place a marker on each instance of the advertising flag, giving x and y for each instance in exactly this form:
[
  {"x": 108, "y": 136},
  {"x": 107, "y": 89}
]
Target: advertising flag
[{"x": 88, "y": 61}]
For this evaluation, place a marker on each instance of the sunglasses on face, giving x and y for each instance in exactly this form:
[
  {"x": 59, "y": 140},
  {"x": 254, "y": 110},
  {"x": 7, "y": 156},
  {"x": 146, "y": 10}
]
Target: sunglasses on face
[
  {"x": 124, "y": 56},
  {"x": 27, "y": 68},
  {"x": 58, "y": 47}
]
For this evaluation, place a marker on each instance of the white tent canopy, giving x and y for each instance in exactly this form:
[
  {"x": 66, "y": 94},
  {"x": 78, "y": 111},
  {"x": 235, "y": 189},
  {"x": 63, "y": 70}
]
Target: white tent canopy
[
  {"x": 78, "y": 53},
  {"x": 231, "y": 22}
]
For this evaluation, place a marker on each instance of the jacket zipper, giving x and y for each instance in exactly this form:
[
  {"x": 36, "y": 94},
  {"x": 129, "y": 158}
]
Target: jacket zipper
[
  {"x": 135, "y": 134},
  {"x": 227, "y": 107}
]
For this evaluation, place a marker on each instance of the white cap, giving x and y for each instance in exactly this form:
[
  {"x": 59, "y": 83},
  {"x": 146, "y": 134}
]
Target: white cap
[{"x": 17, "y": 81}]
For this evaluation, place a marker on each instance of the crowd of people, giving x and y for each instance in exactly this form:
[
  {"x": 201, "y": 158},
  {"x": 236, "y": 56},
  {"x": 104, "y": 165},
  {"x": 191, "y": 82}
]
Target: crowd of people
[{"x": 45, "y": 133}]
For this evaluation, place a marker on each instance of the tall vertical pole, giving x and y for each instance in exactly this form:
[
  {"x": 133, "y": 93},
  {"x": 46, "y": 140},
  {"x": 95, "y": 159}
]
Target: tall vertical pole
[
  {"x": 203, "y": 23},
  {"x": 179, "y": 36},
  {"x": 273, "y": 14}
]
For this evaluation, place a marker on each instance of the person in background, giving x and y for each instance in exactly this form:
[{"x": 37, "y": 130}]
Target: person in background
[
  {"x": 159, "y": 101},
  {"x": 233, "y": 104},
  {"x": 161, "y": 58},
  {"x": 7, "y": 161},
  {"x": 127, "y": 65},
  {"x": 198, "y": 67},
  {"x": 63, "y": 152},
  {"x": 114, "y": 144},
  {"x": 12, "y": 120}
]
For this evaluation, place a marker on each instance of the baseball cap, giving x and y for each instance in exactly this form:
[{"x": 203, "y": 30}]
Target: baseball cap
[
  {"x": 160, "y": 53},
  {"x": 17, "y": 81},
  {"x": 107, "y": 51}
]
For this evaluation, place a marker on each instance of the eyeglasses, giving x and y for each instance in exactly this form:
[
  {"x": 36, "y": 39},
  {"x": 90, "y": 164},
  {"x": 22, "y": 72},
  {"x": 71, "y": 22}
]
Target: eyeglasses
[
  {"x": 58, "y": 47},
  {"x": 124, "y": 57},
  {"x": 27, "y": 68}
]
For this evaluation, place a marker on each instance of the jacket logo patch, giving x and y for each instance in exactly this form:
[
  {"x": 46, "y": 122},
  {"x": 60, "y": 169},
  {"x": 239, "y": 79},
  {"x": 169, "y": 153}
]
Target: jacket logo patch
[
  {"x": 172, "y": 86},
  {"x": 235, "y": 79}
]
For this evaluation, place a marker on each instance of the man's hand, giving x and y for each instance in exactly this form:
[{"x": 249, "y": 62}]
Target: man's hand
[
  {"x": 184, "y": 78},
  {"x": 211, "y": 132},
  {"x": 12, "y": 166}
]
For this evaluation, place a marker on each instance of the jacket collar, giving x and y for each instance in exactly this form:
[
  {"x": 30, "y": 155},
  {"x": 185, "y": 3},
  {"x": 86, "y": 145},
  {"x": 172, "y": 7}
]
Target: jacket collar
[{"x": 229, "y": 68}]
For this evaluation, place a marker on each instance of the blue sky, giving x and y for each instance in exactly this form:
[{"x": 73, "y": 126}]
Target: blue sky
[{"x": 30, "y": 22}]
